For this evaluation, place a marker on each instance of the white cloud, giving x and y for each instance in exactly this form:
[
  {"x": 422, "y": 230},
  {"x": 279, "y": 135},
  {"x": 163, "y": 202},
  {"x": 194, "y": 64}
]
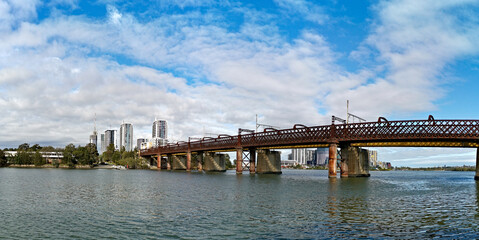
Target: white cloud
[
  {"x": 14, "y": 12},
  {"x": 308, "y": 10},
  {"x": 197, "y": 73},
  {"x": 114, "y": 15}
]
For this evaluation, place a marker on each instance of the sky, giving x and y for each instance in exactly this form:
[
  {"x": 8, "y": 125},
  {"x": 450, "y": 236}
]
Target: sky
[{"x": 210, "y": 66}]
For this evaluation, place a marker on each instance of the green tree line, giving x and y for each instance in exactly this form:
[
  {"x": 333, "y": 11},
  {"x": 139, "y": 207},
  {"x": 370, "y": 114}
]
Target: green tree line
[
  {"x": 124, "y": 158},
  {"x": 32, "y": 155}
]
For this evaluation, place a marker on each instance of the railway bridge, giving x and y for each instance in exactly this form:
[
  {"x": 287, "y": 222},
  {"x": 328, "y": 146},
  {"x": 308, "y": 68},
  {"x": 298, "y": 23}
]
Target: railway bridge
[{"x": 255, "y": 147}]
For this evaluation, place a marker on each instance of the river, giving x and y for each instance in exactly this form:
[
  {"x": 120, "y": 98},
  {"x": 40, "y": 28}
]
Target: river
[{"x": 299, "y": 204}]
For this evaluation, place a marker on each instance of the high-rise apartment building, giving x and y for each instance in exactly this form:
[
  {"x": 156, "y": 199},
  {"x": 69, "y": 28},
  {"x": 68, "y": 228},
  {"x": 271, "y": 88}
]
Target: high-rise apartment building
[
  {"x": 322, "y": 156},
  {"x": 160, "y": 129},
  {"x": 94, "y": 138},
  {"x": 303, "y": 156},
  {"x": 126, "y": 136},
  {"x": 109, "y": 139},
  {"x": 373, "y": 158},
  {"x": 102, "y": 142},
  {"x": 139, "y": 141}
]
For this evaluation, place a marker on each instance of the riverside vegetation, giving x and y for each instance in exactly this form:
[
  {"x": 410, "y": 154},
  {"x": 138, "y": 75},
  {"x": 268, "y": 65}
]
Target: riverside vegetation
[{"x": 73, "y": 157}]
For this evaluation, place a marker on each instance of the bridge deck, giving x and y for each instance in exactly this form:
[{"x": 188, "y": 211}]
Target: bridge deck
[{"x": 410, "y": 133}]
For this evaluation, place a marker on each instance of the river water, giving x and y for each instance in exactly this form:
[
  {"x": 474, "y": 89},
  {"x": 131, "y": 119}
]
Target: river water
[{"x": 299, "y": 204}]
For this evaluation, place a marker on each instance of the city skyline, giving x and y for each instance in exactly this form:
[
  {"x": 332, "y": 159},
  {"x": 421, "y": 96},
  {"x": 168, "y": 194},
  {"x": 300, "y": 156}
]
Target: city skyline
[{"x": 211, "y": 66}]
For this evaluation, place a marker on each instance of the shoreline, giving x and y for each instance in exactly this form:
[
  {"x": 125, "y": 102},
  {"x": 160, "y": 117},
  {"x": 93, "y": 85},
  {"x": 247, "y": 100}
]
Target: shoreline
[{"x": 116, "y": 167}]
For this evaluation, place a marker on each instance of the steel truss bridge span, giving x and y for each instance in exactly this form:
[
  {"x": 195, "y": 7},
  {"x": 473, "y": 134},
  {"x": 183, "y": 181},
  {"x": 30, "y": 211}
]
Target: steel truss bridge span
[{"x": 383, "y": 133}]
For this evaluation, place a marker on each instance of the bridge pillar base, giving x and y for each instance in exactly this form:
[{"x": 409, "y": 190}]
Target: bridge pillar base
[
  {"x": 239, "y": 161},
  {"x": 178, "y": 162},
  {"x": 200, "y": 158},
  {"x": 169, "y": 158},
  {"x": 477, "y": 165},
  {"x": 188, "y": 161},
  {"x": 252, "y": 160},
  {"x": 357, "y": 161},
  {"x": 269, "y": 162},
  {"x": 333, "y": 158},
  {"x": 344, "y": 169},
  {"x": 214, "y": 162}
]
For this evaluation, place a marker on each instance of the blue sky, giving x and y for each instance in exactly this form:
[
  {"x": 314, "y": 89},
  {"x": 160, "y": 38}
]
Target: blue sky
[{"x": 210, "y": 66}]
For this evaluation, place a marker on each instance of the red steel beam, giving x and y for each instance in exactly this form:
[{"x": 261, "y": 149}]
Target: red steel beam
[{"x": 381, "y": 131}]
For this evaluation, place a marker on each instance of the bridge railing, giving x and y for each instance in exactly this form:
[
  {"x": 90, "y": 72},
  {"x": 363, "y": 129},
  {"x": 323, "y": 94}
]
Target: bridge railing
[
  {"x": 368, "y": 131},
  {"x": 294, "y": 135},
  {"x": 411, "y": 129},
  {"x": 222, "y": 142}
]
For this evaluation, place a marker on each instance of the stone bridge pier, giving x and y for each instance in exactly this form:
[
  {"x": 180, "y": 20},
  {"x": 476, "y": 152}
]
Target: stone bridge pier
[
  {"x": 355, "y": 162},
  {"x": 178, "y": 162},
  {"x": 214, "y": 162},
  {"x": 477, "y": 165},
  {"x": 268, "y": 162}
]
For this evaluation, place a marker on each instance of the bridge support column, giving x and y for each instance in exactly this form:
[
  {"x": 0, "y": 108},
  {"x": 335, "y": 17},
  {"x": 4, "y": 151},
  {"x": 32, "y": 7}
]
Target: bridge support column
[
  {"x": 239, "y": 161},
  {"x": 199, "y": 157},
  {"x": 477, "y": 165},
  {"x": 178, "y": 162},
  {"x": 357, "y": 161},
  {"x": 269, "y": 162},
  {"x": 158, "y": 163},
  {"x": 252, "y": 160},
  {"x": 344, "y": 168},
  {"x": 333, "y": 158},
  {"x": 168, "y": 161},
  {"x": 188, "y": 161},
  {"x": 215, "y": 162}
]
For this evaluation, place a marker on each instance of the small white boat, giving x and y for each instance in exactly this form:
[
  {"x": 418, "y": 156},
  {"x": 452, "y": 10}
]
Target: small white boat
[{"x": 118, "y": 167}]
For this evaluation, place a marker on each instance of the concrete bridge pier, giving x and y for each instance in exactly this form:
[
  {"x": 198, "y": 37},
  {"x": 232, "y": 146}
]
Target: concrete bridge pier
[
  {"x": 356, "y": 161},
  {"x": 477, "y": 165},
  {"x": 168, "y": 161},
  {"x": 344, "y": 169},
  {"x": 239, "y": 161},
  {"x": 178, "y": 162},
  {"x": 252, "y": 160},
  {"x": 333, "y": 158},
  {"x": 269, "y": 162},
  {"x": 158, "y": 163},
  {"x": 215, "y": 162},
  {"x": 199, "y": 158},
  {"x": 188, "y": 161}
]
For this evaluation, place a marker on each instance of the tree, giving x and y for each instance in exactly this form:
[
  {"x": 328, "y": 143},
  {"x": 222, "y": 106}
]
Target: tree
[
  {"x": 115, "y": 158},
  {"x": 126, "y": 154},
  {"x": 48, "y": 149},
  {"x": 80, "y": 155},
  {"x": 24, "y": 147},
  {"x": 24, "y": 157},
  {"x": 35, "y": 148},
  {"x": 68, "y": 155},
  {"x": 228, "y": 163},
  {"x": 3, "y": 159},
  {"x": 108, "y": 154},
  {"x": 38, "y": 159},
  {"x": 92, "y": 153}
]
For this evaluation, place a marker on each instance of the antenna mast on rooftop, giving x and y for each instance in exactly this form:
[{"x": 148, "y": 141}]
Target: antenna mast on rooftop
[{"x": 94, "y": 125}]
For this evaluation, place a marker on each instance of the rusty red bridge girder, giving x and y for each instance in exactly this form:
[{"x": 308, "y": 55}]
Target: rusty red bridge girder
[{"x": 383, "y": 133}]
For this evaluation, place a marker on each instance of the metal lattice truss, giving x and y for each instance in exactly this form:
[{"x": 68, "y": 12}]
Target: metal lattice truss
[
  {"x": 246, "y": 159},
  {"x": 434, "y": 133}
]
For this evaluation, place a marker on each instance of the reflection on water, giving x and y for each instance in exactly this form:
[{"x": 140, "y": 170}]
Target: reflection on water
[{"x": 299, "y": 204}]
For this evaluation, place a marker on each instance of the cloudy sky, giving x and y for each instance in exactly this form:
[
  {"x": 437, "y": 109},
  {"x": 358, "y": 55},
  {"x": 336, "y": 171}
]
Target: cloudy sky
[{"x": 209, "y": 66}]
